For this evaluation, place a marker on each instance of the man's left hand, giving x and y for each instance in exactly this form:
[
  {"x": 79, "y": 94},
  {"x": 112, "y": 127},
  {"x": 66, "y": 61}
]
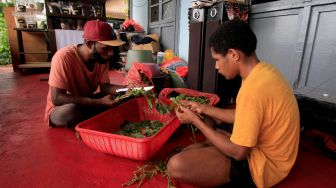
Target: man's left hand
[
  {"x": 185, "y": 115},
  {"x": 108, "y": 101}
]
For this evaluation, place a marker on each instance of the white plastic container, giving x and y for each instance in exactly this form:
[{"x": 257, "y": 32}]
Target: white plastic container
[
  {"x": 31, "y": 21},
  {"x": 20, "y": 19}
]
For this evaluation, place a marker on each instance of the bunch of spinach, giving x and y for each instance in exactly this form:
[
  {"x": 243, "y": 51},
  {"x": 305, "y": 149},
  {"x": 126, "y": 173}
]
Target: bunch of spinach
[
  {"x": 181, "y": 97},
  {"x": 141, "y": 129},
  {"x": 150, "y": 96},
  {"x": 178, "y": 101},
  {"x": 150, "y": 169}
]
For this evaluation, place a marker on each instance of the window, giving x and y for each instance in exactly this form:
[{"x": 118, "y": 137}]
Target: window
[{"x": 161, "y": 10}]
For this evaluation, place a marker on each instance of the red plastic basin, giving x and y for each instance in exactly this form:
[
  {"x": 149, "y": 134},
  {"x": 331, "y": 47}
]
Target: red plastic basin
[{"x": 97, "y": 132}]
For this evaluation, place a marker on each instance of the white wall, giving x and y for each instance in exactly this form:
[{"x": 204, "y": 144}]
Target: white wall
[
  {"x": 140, "y": 13},
  {"x": 184, "y": 30},
  {"x": 68, "y": 37}
]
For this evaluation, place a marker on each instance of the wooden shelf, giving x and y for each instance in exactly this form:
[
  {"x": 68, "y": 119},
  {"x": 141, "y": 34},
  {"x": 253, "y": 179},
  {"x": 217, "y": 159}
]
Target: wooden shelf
[
  {"x": 30, "y": 30},
  {"x": 23, "y": 64},
  {"x": 28, "y": 65},
  {"x": 55, "y": 16},
  {"x": 73, "y": 16},
  {"x": 46, "y": 52}
]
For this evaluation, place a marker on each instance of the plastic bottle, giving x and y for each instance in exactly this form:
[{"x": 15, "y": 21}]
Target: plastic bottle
[{"x": 159, "y": 57}]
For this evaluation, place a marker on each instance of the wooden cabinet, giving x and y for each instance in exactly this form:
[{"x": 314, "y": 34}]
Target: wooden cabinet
[
  {"x": 72, "y": 14},
  {"x": 33, "y": 48},
  {"x": 25, "y": 45},
  {"x": 23, "y": 64}
]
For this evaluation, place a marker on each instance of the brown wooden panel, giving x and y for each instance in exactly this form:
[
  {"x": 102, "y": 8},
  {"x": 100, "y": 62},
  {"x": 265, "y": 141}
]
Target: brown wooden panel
[
  {"x": 212, "y": 81},
  {"x": 209, "y": 71},
  {"x": 195, "y": 55},
  {"x": 34, "y": 42}
]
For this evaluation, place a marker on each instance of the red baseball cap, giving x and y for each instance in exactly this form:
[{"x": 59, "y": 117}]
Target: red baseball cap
[{"x": 102, "y": 32}]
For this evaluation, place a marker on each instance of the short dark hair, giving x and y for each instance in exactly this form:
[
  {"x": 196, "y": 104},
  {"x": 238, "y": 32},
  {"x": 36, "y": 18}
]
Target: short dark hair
[{"x": 234, "y": 34}]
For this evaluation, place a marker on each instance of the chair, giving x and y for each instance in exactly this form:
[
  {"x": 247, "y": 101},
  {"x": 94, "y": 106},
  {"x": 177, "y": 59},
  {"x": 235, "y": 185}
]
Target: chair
[{"x": 140, "y": 56}]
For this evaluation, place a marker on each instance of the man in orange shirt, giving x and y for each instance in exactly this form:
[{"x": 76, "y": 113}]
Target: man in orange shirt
[
  {"x": 263, "y": 145},
  {"x": 76, "y": 73}
]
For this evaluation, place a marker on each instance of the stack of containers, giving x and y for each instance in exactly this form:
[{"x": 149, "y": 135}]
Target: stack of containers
[{"x": 30, "y": 14}]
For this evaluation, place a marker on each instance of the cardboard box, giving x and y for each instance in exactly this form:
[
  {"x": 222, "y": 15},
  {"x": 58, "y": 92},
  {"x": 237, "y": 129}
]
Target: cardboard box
[{"x": 154, "y": 46}]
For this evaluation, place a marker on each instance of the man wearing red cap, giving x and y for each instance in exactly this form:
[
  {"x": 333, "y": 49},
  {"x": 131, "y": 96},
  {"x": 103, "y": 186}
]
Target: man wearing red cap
[{"x": 75, "y": 74}]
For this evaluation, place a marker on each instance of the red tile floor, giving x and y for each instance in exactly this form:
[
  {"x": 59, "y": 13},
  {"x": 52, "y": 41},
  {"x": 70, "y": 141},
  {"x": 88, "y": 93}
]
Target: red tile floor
[{"x": 34, "y": 155}]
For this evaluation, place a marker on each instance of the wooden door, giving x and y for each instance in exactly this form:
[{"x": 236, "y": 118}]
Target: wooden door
[{"x": 162, "y": 19}]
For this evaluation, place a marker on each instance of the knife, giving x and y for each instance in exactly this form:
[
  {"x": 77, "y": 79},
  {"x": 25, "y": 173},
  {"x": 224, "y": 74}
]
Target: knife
[{"x": 147, "y": 88}]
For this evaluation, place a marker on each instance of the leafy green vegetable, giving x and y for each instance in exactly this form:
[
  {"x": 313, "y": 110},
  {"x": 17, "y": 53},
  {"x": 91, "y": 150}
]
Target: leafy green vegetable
[
  {"x": 199, "y": 99},
  {"x": 150, "y": 169},
  {"x": 141, "y": 129},
  {"x": 179, "y": 98},
  {"x": 160, "y": 106},
  {"x": 150, "y": 96},
  {"x": 178, "y": 101}
]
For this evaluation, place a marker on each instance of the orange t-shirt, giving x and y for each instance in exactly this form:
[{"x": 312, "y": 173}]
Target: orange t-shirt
[
  {"x": 267, "y": 120},
  {"x": 69, "y": 72}
]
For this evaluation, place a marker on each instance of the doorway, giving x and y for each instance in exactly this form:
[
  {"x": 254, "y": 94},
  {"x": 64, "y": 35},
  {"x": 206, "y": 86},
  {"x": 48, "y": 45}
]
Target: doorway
[{"x": 163, "y": 16}]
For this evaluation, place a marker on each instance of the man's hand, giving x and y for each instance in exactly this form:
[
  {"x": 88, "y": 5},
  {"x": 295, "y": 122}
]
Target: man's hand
[
  {"x": 194, "y": 106},
  {"x": 110, "y": 89},
  {"x": 185, "y": 115},
  {"x": 108, "y": 101}
]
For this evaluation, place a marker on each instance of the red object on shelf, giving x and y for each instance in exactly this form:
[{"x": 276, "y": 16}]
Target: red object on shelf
[
  {"x": 97, "y": 132},
  {"x": 164, "y": 95}
]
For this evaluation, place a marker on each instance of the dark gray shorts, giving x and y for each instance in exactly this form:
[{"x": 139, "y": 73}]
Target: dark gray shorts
[{"x": 240, "y": 175}]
